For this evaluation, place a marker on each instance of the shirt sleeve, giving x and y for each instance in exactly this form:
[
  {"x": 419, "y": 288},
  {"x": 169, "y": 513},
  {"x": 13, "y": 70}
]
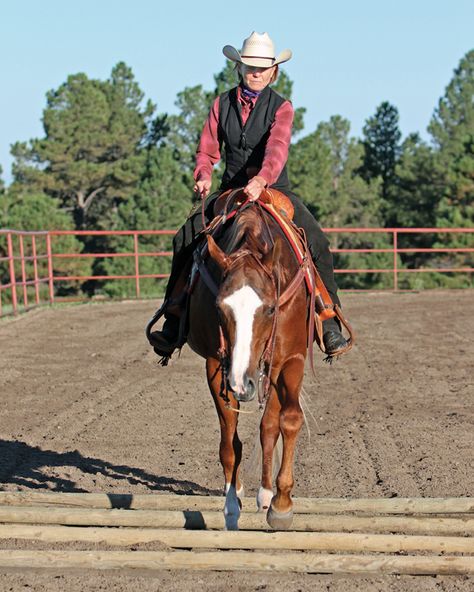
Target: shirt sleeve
[
  {"x": 208, "y": 152},
  {"x": 278, "y": 144}
]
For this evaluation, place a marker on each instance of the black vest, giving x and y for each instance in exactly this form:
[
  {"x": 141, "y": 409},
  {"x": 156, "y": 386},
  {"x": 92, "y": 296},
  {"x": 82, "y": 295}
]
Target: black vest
[{"x": 244, "y": 145}]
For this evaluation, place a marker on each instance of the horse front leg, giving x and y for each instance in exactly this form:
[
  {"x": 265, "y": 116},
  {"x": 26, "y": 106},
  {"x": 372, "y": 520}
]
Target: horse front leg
[
  {"x": 280, "y": 513},
  {"x": 230, "y": 449},
  {"x": 269, "y": 433}
]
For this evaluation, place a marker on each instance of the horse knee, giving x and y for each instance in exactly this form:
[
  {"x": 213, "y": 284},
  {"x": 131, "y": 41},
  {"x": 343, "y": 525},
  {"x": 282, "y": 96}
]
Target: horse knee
[{"x": 291, "y": 422}]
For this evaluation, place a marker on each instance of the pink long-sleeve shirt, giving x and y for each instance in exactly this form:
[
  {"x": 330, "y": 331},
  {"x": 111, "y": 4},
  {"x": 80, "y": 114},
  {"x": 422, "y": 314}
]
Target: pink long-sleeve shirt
[{"x": 276, "y": 150}]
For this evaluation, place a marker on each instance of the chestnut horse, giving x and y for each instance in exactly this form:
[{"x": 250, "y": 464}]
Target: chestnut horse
[{"x": 248, "y": 318}]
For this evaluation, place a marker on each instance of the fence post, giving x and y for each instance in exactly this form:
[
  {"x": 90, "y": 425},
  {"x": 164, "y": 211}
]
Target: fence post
[
  {"x": 137, "y": 267},
  {"x": 395, "y": 260},
  {"x": 23, "y": 271},
  {"x": 12, "y": 272},
  {"x": 50, "y": 268},
  {"x": 35, "y": 268}
]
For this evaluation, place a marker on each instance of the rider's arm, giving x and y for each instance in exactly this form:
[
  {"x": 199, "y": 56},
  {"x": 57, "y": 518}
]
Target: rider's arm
[
  {"x": 208, "y": 152},
  {"x": 278, "y": 144}
]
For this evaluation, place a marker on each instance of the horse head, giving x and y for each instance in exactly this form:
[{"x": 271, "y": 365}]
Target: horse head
[{"x": 247, "y": 303}]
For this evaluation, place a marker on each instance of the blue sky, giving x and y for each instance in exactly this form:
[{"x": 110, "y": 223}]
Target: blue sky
[{"x": 348, "y": 56}]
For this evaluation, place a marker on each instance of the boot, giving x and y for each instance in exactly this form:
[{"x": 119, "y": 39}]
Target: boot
[
  {"x": 334, "y": 340},
  {"x": 166, "y": 341}
]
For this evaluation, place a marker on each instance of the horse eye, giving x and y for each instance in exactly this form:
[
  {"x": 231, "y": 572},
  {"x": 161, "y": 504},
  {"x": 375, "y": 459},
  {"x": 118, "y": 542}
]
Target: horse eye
[{"x": 270, "y": 311}]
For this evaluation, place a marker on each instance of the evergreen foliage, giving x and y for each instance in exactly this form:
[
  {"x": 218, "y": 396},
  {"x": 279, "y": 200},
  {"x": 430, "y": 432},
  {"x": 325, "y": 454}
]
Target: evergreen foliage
[
  {"x": 108, "y": 161},
  {"x": 27, "y": 211},
  {"x": 381, "y": 146},
  {"x": 452, "y": 129},
  {"x": 324, "y": 172},
  {"x": 90, "y": 157},
  {"x": 162, "y": 202}
]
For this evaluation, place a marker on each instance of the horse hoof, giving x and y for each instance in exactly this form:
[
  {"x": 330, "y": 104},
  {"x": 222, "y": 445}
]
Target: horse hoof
[
  {"x": 231, "y": 523},
  {"x": 279, "y": 520}
]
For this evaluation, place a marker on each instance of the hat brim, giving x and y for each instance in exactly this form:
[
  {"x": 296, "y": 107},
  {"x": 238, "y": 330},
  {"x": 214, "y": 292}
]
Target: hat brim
[{"x": 232, "y": 54}]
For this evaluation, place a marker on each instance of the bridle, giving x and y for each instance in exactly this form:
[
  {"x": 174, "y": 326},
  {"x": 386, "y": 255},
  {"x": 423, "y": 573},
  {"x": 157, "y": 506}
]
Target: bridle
[{"x": 265, "y": 364}]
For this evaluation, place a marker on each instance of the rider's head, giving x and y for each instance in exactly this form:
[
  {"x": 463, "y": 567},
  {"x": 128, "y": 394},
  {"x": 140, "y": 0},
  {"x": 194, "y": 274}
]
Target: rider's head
[
  {"x": 255, "y": 78},
  {"x": 256, "y": 63}
]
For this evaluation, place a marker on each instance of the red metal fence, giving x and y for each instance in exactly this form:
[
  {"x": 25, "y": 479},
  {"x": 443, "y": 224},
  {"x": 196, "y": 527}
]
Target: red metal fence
[{"x": 32, "y": 260}]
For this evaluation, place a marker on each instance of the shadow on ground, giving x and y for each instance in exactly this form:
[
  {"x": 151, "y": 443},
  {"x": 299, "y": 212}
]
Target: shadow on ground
[{"x": 30, "y": 467}]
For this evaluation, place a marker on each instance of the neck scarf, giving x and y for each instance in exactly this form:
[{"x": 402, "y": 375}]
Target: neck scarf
[{"x": 250, "y": 94}]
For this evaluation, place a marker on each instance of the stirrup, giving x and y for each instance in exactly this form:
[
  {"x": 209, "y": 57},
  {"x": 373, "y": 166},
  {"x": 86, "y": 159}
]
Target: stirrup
[
  {"x": 349, "y": 342},
  {"x": 181, "y": 337},
  {"x": 154, "y": 319}
]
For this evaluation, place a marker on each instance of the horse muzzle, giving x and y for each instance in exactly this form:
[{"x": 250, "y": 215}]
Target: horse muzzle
[{"x": 245, "y": 392}]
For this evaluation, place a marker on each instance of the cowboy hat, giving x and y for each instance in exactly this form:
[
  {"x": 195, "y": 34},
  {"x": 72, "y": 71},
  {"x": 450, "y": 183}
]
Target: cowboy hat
[{"x": 257, "y": 50}]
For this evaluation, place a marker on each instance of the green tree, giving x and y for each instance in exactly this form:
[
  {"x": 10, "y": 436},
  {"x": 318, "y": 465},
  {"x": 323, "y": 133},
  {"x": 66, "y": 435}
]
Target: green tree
[
  {"x": 413, "y": 201},
  {"x": 452, "y": 130},
  {"x": 162, "y": 202},
  {"x": 417, "y": 186},
  {"x": 310, "y": 170},
  {"x": 185, "y": 127},
  {"x": 21, "y": 210},
  {"x": 381, "y": 141},
  {"x": 90, "y": 157},
  {"x": 324, "y": 173}
]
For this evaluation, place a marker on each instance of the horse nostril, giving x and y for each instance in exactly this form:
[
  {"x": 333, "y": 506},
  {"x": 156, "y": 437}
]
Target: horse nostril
[{"x": 250, "y": 387}]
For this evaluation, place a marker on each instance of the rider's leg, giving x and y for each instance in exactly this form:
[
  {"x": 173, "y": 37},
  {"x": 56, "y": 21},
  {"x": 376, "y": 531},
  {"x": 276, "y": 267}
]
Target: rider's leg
[
  {"x": 184, "y": 241},
  {"x": 319, "y": 246}
]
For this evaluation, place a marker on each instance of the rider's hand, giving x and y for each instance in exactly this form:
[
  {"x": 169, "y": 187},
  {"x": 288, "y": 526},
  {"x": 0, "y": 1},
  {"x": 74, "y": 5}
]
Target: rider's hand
[
  {"x": 254, "y": 188},
  {"x": 202, "y": 188}
]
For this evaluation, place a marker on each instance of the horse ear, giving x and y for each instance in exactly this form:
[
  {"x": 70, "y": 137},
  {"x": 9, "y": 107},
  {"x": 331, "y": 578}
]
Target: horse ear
[
  {"x": 217, "y": 254},
  {"x": 272, "y": 258}
]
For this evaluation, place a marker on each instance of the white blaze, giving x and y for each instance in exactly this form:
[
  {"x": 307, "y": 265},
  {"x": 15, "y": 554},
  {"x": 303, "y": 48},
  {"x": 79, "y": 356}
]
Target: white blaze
[{"x": 243, "y": 303}]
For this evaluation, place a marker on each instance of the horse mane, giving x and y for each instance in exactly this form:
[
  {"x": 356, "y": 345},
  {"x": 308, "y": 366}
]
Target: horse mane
[
  {"x": 255, "y": 230},
  {"x": 250, "y": 231}
]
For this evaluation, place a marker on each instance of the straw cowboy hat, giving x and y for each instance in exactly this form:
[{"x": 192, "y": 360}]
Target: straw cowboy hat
[{"x": 257, "y": 50}]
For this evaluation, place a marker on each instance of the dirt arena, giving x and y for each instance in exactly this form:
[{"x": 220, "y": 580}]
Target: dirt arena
[{"x": 86, "y": 408}]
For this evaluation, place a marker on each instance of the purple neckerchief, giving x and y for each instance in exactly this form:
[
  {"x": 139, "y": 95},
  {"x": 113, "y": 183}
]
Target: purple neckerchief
[{"x": 250, "y": 94}]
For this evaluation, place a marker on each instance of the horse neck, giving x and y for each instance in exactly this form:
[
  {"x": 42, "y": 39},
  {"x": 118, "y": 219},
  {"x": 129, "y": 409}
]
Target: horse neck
[{"x": 256, "y": 231}]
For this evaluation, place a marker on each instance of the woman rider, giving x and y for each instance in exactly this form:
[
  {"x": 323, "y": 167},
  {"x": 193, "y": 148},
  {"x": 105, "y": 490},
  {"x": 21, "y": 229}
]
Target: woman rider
[{"x": 253, "y": 124}]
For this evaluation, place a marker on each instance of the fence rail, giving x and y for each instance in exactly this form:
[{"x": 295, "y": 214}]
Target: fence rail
[{"x": 22, "y": 253}]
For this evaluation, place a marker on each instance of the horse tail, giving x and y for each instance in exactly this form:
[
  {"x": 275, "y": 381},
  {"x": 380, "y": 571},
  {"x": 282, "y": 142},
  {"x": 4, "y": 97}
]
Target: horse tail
[
  {"x": 306, "y": 410},
  {"x": 253, "y": 465}
]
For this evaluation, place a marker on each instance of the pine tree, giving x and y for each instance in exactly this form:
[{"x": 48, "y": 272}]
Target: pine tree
[
  {"x": 323, "y": 169},
  {"x": 162, "y": 202},
  {"x": 90, "y": 157},
  {"x": 452, "y": 129},
  {"x": 381, "y": 146}
]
